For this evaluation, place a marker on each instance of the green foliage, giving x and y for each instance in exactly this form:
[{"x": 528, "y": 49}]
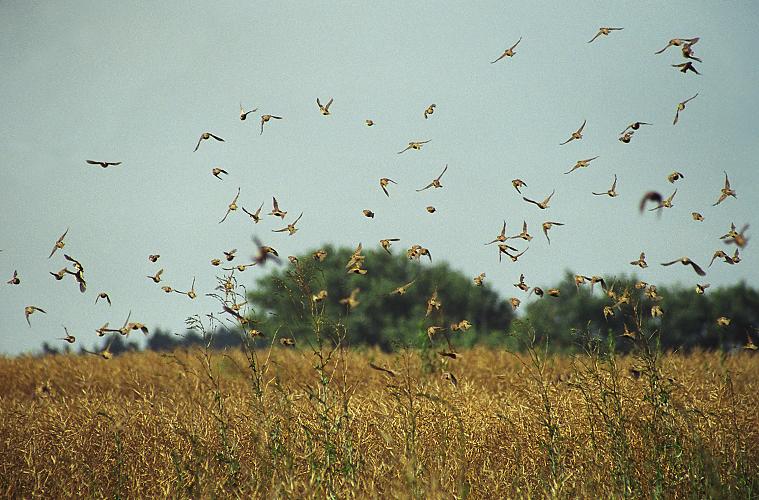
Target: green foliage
[{"x": 383, "y": 319}]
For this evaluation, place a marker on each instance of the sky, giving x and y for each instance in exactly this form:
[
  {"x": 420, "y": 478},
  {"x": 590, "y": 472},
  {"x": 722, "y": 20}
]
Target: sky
[{"x": 138, "y": 82}]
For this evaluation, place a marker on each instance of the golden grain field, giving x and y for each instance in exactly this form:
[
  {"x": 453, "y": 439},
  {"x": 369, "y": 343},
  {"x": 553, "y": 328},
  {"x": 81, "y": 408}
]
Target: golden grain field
[{"x": 302, "y": 423}]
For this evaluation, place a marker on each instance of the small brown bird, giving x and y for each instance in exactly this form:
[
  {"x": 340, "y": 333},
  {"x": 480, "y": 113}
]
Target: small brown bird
[
  {"x": 503, "y": 249},
  {"x": 436, "y": 181},
  {"x": 719, "y": 254},
  {"x": 430, "y": 109},
  {"x": 276, "y": 212},
  {"x": 369, "y": 123},
  {"x": 450, "y": 377},
  {"x": 723, "y": 321},
  {"x": 29, "y": 310},
  {"x": 287, "y": 341},
  {"x": 319, "y": 255},
  {"x": 634, "y": 126},
  {"x": 576, "y": 135},
  {"x": 604, "y": 31},
  {"x": 387, "y": 371},
  {"x": 547, "y": 227},
  {"x": 581, "y": 164},
  {"x": 518, "y": 183},
  {"x": 368, "y": 213},
  {"x": 154, "y": 257},
  {"x": 725, "y": 192},
  {"x": 266, "y": 118},
  {"x": 59, "y": 243},
  {"x": 401, "y": 290},
  {"x": 256, "y": 216},
  {"x": 231, "y": 207},
  {"x": 508, "y": 52},
  {"x": 383, "y": 184},
  {"x": 204, "y": 137},
  {"x": 738, "y": 238},
  {"x": 386, "y": 243},
  {"x": 676, "y": 42},
  {"x": 687, "y": 50},
  {"x": 681, "y": 107},
  {"x": 244, "y": 114},
  {"x": 103, "y": 295},
  {"x": 431, "y": 209},
  {"x": 514, "y": 257},
  {"x": 479, "y": 279},
  {"x": 543, "y": 204},
  {"x": 514, "y": 302},
  {"x": 324, "y": 109},
  {"x": 319, "y": 296},
  {"x": 612, "y": 191},
  {"x": 156, "y": 277},
  {"x": 104, "y": 164},
  {"x": 216, "y": 171},
  {"x": 15, "y": 280},
  {"x": 415, "y": 145},
  {"x": 501, "y": 237},
  {"x": 553, "y": 292},
  {"x": 290, "y": 228},
  {"x": 687, "y": 262},
  {"x": 685, "y": 67},
  {"x": 59, "y": 275},
  {"x": 627, "y": 137},
  {"x": 750, "y": 346},
  {"x": 697, "y": 216},
  {"x": 230, "y": 255},
  {"x": 68, "y": 338},
  {"x": 522, "y": 285},
  {"x": 700, "y": 289},
  {"x": 215, "y": 262},
  {"x": 675, "y": 176},
  {"x": 650, "y": 196},
  {"x": 665, "y": 203},
  {"x": 351, "y": 301},
  {"x": 537, "y": 291},
  {"x": 641, "y": 262},
  {"x": 524, "y": 235}
]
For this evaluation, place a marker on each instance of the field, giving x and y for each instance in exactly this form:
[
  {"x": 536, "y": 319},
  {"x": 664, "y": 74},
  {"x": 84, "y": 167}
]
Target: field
[{"x": 313, "y": 423}]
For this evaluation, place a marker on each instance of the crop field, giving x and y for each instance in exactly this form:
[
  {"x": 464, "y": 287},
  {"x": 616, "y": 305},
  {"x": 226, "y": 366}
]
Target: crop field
[{"x": 328, "y": 422}]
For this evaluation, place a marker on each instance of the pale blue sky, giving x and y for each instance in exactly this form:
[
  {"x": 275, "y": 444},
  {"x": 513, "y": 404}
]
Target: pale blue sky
[{"x": 138, "y": 83}]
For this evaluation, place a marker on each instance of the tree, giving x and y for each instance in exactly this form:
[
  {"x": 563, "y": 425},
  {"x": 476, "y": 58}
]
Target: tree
[{"x": 283, "y": 300}]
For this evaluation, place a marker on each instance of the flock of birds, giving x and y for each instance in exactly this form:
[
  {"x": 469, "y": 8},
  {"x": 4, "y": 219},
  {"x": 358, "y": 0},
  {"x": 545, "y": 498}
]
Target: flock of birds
[{"x": 504, "y": 242}]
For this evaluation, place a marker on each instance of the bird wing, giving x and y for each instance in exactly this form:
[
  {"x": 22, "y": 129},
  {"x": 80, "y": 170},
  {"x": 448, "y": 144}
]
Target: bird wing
[
  {"x": 216, "y": 137},
  {"x": 670, "y": 263},
  {"x": 697, "y": 268},
  {"x": 499, "y": 58},
  {"x": 198, "y": 144},
  {"x": 444, "y": 171}
]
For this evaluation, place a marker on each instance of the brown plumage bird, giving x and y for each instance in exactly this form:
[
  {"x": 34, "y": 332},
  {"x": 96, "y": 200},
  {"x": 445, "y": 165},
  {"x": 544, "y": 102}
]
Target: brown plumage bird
[
  {"x": 266, "y": 118},
  {"x": 518, "y": 183},
  {"x": 542, "y": 204},
  {"x": 204, "y": 137},
  {"x": 581, "y": 164},
  {"x": 29, "y": 310},
  {"x": 231, "y": 207},
  {"x": 501, "y": 237},
  {"x": 430, "y": 109},
  {"x": 612, "y": 191},
  {"x": 384, "y": 183},
  {"x": 415, "y": 145},
  {"x": 15, "y": 280},
  {"x": 576, "y": 135},
  {"x": 436, "y": 181},
  {"x": 59, "y": 243},
  {"x": 675, "y": 176},
  {"x": 547, "y": 227},
  {"x": 681, "y": 107},
  {"x": 256, "y": 216},
  {"x": 687, "y": 262},
  {"x": 604, "y": 31},
  {"x": 685, "y": 67},
  {"x": 386, "y": 243},
  {"x": 725, "y": 192},
  {"x": 324, "y": 108},
  {"x": 676, "y": 42},
  {"x": 244, "y": 114},
  {"x": 103, "y": 295},
  {"x": 641, "y": 262},
  {"x": 508, "y": 52},
  {"x": 216, "y": 171}
]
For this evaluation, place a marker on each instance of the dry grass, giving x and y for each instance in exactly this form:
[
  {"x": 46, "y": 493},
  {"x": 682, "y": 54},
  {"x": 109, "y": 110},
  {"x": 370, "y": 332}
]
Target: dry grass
[{"x": 197, "y": 424}]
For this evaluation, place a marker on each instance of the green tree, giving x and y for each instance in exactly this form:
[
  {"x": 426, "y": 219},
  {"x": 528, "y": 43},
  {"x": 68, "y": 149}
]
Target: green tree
[{"x": 281, "y": 300}]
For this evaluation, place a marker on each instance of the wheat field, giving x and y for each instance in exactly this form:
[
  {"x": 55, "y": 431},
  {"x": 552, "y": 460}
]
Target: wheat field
[{"x": 301, "y": 423}]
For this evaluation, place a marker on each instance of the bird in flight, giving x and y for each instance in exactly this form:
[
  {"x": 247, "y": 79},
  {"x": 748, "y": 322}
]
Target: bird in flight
[
  {"x": 508, "y": 52},
  {"x": 324, "y": 109},
  {"x": 156, "y": 277},
  {"x": 604, "y": 31},
  {"x": 256, "y": 216},
  {"x": 369, "y": 123},
  {"x": 104, "y": 164},
  {"x": 276, "y": 212},
  {"x": 204, "y": 137},
  {"x": 231, "y": 207},
  {"x": 685, "y": 67},
  {"x": 368, "y": 213},
  {"x": 627, "y": 137},
  {"x": 665, "y": 203},
  {"x": 687, "y": 50},
  {"x": 266, "y": 118},
  {"x": 676, "y": 42},
  {"x": 547, "y": 227},
  {"x": 641, "y": 262},
  {"x": 724, "y": 192},
  {"x": 29, "y": 310},
  {"x": 524, "y": 235},
  {"x": 430, "y": 109},
  {"x": 218, "y": 171},
  {"x": 697, "y": 216},
  {"x": 501, "y": 237},
  {"x": 581, "y": 164},
  {"x": 435, "y": 182},
  {"x": 576, "y": 135},
  {"x": 68, "y": 338},
  {"x": 681, "y": 107},
  {"x": 383, "y": 184},
  {"x": 612, "y": 191},
  {"x": 59, "y": 243},
  {"x": 402, "y": 289},
  {"x": 518, "y": 183},
  {"x": 543, "y": 204},
  {"x": 387, "y": 371},
  {"x": 687, "y": 262},
  {"x": 154, "y": 257},
  {"x": 15, "y": 280},
  {"x": 415, "y": 145},
  {"x": 103, "y": 295},
  {"x": 290, "y": 228},
  {"x": 674, "y": 176},
  {"x": 386, "y": 243},
  {"x": 634, "y": 126},
  {"x": 244, "y": 114}
]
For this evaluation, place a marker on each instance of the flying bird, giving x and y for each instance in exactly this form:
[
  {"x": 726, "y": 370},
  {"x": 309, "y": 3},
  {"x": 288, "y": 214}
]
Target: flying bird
[
  {"x": 508, "y": 52},
  {"x": 547, "y": 227},
  {"x": 290, "y": 228},
  {"x": 29, "y": 310},
  {"x": 518, "y": 183},
  {"x": 266, "y": 118},
  {"x": 543, "y": 204},
  {"x": 685, "y": 67},
  {"x": 231, "y": 207},
  {"x": 576, "y": 135},
  {"x": 725, "y": 192},
  {"x": 324, "y": 109},
  {"x": 687, "y": 262},
  {"x": 415, "y": 145},
  {"x": 156, "y": 277},
  {"x": 665, "y": 203},
  {"x": 612, "y": 191},
  {"x": 383, "y": 184},
  {"x": 674, "y": 176},
  {"x": 217, "y": 171},
  {"x": 501, "y": 237},
  {"x": 204, "y": 137},
  {"x": 581, "y": 164},
  {"x": 681, "y": 107},
  {"x": 104, "y": 164},
  {"x": 256, "y": 216},
  {"x": 386, "y": 243},
  {"x": 676, "y": 42},
  {"x": 244, "y": 114},
  {"x": 59, "y": 243},
  {"x": 604, "y": 31},
  {"x": 430, "y": 109},
  {"x": 641, "y": 262},
  {"x": 435, "y": 182},
  {"x": 276, "y": 212},
  {"x": 634, "y": 126},
  {"x": 15, "y": 280},
  {"x": 103, "y": 295}
]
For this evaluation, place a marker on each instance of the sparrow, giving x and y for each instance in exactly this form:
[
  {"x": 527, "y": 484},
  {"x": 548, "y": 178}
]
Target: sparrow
[{"x": 205, "y": 136}]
